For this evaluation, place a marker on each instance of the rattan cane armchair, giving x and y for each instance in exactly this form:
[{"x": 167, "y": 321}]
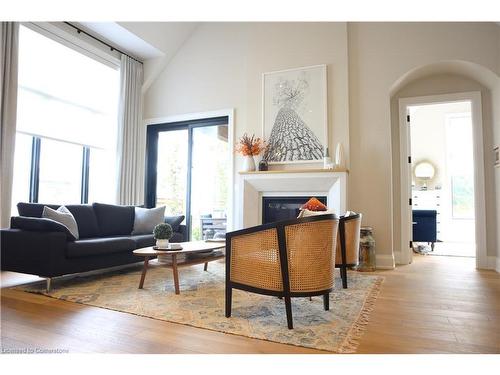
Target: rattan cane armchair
[
  {"x": 293, "y": 258},
  {"x": 348, "y": 244}
]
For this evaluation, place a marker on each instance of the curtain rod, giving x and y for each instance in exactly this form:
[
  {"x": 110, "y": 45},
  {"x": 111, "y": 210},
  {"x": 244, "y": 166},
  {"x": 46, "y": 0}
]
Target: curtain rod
[{"x": 101, "y": 41}]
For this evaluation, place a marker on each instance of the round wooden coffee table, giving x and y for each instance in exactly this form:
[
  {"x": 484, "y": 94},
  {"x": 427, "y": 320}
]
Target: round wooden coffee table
[{"x": 192, "y": 247}]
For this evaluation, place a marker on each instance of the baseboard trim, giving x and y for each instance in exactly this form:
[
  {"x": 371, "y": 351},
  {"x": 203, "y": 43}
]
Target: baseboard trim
[
  {"x": 493, "y": 263},
  {"x": 384, "y": 261}
]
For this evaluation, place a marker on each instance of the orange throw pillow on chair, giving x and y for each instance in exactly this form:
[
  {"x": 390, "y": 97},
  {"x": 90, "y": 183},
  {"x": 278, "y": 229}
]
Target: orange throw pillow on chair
[{"x": 314, "y": 204}]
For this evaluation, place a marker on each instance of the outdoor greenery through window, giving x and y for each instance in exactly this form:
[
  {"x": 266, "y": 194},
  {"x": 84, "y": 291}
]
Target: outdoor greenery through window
[
  {"x": 192, "y": 175},
  {"x": 66, "y": 124}
]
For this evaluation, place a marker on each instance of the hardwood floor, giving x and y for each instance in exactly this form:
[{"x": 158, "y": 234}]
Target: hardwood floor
[{"x": 435, "y": 305}]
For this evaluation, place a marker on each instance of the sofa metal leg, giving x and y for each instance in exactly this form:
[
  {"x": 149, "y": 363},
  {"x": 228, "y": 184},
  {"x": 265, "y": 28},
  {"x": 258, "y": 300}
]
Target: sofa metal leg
[{"x": 48, "y": 287}]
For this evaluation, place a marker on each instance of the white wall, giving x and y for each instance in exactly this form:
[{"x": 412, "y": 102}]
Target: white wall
[
  {"x": 220, "y": 66},
  {"x": 428, "y": 137}
]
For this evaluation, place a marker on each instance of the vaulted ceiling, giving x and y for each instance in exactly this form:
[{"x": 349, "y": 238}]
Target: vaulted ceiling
[{"x": 155, "y": 43}]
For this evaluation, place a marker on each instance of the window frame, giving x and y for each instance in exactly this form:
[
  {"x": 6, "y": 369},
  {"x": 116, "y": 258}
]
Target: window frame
[
  {"x": 152, "y": 134},
  {"x": 36, "y": 150}
]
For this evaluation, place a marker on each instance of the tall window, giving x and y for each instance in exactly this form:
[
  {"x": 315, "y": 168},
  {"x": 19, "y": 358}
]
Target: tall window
[
  {"x": 66, "y": 124},
  {"x": 460, "y": 164}
]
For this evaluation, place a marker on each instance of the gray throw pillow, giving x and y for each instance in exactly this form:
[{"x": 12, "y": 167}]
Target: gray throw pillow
[
  {"x": 63, "y": 216},
  {"x": 147, "y": 218}
]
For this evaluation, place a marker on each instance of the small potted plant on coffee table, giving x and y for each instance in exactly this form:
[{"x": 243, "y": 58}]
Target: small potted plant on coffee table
[{"x": 162, "y": 233}]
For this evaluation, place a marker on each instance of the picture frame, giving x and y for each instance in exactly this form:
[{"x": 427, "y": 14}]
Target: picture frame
[{"x": 294, "y": 109}]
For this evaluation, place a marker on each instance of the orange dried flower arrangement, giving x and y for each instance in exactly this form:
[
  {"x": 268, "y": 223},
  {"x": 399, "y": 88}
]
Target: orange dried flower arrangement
[{"x": 250, "y": 146}]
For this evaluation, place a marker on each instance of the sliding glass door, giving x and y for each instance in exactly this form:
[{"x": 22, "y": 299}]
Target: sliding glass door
[
  {"x": 171, "y": 183},
  {"x": 188, "y": 170}
]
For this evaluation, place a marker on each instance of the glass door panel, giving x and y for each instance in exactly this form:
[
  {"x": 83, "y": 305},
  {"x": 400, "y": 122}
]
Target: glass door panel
[
  {"x": 60, "y": 172},
  {"x": 172, "y": 167},
  {"x": 210, "y": 170}
]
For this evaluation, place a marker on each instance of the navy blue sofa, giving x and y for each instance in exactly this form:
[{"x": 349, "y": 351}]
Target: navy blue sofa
[{"x": 45, "y": 248}]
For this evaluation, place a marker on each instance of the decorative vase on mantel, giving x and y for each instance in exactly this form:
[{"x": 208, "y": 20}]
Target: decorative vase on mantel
[
  {"x": 339, "y": 156},
  {"x": 248, "y": 164},
  {"x": 248, "y": 147}
]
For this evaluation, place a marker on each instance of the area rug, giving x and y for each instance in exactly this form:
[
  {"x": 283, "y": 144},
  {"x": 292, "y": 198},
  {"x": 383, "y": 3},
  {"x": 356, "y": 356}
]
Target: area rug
[{"x": 201, "y": 304}]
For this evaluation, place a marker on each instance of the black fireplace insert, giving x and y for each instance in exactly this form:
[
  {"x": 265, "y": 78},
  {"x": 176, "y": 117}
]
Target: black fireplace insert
[{"x": 284, "y": 208}]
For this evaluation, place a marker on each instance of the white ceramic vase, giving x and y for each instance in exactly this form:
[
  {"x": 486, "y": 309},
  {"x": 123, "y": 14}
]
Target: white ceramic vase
[
  {"x": 162, "y": 244},
  {"x": 339, "y": 156},
  {"x": 248, "y": 164}
]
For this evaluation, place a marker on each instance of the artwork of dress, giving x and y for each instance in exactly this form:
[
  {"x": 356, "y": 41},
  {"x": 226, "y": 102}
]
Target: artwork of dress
[{"x": 294, "y": 114}]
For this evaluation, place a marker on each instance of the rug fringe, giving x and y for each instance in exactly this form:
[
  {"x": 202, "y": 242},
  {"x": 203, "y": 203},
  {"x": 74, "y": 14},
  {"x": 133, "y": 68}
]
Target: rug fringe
[{"x": 351, "y": 342}]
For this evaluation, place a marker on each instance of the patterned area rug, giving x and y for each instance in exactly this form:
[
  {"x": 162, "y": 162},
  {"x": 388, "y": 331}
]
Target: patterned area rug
[{"x": 201, "y": 304}]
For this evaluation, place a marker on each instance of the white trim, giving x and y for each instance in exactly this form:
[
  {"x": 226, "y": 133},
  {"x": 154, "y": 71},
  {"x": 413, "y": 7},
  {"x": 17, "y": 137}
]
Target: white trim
[
  {"x": 384, "y": 261},
  {"x": 325, "y": 109},
  {"x": 230, "y": 123},
  {"x": 479, "y": 186},
  {"x": 494, "y": 263}
]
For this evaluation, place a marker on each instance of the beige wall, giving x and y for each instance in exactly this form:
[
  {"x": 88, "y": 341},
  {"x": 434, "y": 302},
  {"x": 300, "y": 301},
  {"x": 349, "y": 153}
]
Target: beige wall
[
  {"x": 220, "y": 66},
  {"x": 379, "y": 55}
]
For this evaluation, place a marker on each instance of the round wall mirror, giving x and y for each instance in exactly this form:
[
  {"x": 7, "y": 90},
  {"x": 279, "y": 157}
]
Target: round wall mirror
[
  {"x": 424, "y": 173},
  {"x": 424, "y": 170}
]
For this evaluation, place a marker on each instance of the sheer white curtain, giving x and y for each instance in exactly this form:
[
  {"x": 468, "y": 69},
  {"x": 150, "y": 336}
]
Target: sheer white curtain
[
  {"x": 9, "y": 50},
  {"x": 130, "y": 189}
]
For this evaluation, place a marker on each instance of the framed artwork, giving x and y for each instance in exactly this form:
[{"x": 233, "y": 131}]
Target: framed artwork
[{"x": 294, "y": 115}]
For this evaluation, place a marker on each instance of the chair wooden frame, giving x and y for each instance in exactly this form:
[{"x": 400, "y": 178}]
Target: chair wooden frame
[
  {"x": 343, "y": 266},
  {"x": 286, "y": 293}
]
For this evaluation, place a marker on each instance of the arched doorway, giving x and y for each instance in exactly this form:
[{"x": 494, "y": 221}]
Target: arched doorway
[{"x": 442, "y": 82}]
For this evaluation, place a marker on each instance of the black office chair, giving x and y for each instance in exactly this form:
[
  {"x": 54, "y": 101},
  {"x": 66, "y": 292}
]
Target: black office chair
[{"x": 424, "y": 226}]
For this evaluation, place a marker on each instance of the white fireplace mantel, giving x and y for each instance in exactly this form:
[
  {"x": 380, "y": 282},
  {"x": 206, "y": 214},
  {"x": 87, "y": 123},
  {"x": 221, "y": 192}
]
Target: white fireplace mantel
[{"x": 318, "y": 182}]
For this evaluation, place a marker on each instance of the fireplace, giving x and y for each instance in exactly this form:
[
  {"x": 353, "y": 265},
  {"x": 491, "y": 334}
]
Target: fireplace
[
  {"x": 284, "y": 207},
  {"x": 253, "y": 186}
]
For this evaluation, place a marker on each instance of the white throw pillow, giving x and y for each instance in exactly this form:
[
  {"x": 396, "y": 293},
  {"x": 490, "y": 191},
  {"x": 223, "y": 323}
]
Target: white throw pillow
[
  {"x": 63, "y": 216},
  {"x": 147, "y": 218},
  {"x": 306, "y": 213}
]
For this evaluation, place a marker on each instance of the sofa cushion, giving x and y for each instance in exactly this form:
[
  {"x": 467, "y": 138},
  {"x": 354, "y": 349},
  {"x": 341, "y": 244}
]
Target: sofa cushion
[
  {"x": 86, "y": 219},
  {"x": 143, "y": 240},
  {"x": 37, "y": 224},
  {"x": 64, "y": 216},
  {"x": 174, "y": 221},
  {"x": 114, "y": 220},
  {"x": 99, "y": 246},
  {"x": 146, "y": 219},
  {"x": 33, "y": 209},
  {"x": 83, "y": 213}
]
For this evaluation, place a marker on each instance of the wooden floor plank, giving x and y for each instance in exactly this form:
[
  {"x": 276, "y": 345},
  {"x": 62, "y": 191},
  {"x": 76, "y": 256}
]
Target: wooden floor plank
[{"x": 435, "y": 305}]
